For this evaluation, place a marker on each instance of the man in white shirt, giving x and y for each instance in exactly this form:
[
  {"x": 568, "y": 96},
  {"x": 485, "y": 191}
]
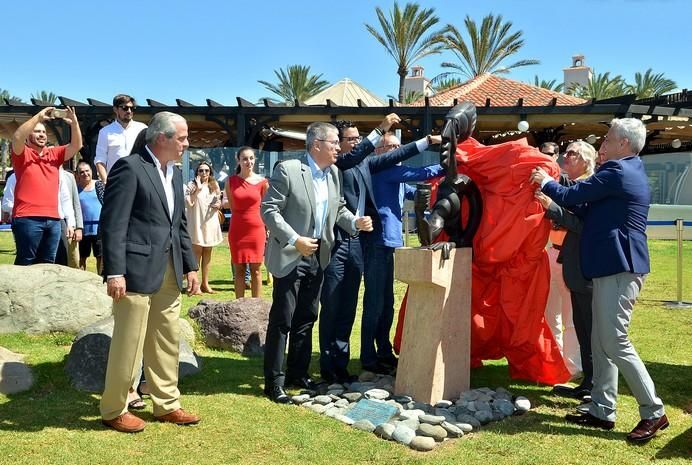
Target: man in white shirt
[{"x": 116, "y": 140}]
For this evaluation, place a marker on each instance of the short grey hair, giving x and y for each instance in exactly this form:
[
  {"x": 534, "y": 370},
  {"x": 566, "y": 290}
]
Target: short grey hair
[
  {"x": 318, "y": 131},
  {"x": 631, "y": 129},
  {"x": 163, "y": 123},
  {"x": 586, "y": 152}
]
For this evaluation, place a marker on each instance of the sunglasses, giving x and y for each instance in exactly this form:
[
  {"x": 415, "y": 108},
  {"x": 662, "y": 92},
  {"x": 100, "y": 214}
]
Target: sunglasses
[
  {"x": 127, "y": 107},
  {"x": 203, "y": 170}
]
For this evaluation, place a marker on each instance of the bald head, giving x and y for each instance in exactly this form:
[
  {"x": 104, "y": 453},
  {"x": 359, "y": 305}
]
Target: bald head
[{"x": 387, "y": 143}]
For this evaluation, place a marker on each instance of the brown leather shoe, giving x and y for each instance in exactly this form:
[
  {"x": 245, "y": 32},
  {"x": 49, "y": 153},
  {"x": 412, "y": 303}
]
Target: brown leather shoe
[
  {"x": 179, "y": 417},
  {"x": 125, "y": 423},
  {"x": 586, "y": 419},
  {"x": 646, "y": 429}
]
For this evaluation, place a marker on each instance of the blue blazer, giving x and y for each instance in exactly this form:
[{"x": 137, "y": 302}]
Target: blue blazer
[
  {"x": 614, "y": 204},
  {"x": 364, "y": 171}
]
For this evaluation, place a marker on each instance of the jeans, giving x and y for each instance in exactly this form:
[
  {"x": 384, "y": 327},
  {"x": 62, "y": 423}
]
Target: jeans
[
  {"x": 378, "y": 302},
  {"x": 36, "y": 239}
]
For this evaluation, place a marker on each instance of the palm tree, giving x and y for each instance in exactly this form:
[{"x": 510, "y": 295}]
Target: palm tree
[
  {"x": 447, "y": 82},
  {"x": 5, "y": 94},
  {"x": 650, "y": 84},
  {"x": 601, "y": 86},
  {"x": 550, "y": 85},
  {"x": 45, "y": 96},
  {"x": 403, "y": 35},
  {"x": 410, "y": 96},
  {"x": 489, "y": 48},
  {"x": 296, "y": 83}
]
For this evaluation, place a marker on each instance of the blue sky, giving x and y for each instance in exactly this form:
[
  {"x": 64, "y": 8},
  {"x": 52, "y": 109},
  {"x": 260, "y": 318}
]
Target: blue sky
[{"x": 219, "y": 49}]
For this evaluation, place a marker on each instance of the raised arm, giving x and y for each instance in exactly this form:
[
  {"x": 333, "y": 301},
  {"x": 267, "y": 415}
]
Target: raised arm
[
  {"x": 22, "y": 133},
  {"x": 403, "y": 153},
  {"x": 75, "y": 134},
  {"x": 348, "y": 160}
]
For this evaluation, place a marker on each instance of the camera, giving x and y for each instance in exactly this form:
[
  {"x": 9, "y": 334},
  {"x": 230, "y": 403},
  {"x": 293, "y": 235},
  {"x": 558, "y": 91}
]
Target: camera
[{"x": 58, "y": 113}]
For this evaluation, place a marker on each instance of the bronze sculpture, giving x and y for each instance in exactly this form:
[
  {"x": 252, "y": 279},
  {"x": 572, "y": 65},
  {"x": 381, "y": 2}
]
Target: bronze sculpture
[{"x": 446, "y": 213}]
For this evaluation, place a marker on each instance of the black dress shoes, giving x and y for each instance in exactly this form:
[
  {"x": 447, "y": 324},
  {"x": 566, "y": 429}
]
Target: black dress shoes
[
  {"x": 304, "y": 382},
  {"x": 277, "y": 394},
  {"x": 646, "y": 429},
  {"x": 378, "y": 368},
  {"x": 344, "y": 377},
  {"x": 390, "y": 361},
  {"x": 586, "y": 419},
  {"x": 339, "y": 375},
  {"x": 578, "y": 392}
]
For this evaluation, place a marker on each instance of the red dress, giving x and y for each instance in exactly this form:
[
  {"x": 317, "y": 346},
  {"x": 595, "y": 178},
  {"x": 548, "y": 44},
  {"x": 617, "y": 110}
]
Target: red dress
[{"x": 246, "y": 235}]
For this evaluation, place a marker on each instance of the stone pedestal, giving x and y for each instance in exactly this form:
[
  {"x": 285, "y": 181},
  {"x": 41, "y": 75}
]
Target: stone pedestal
[{"x": 434, "y": 361}]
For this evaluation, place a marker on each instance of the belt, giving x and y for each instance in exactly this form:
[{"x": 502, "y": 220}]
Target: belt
[{"x": 557, "y": 247}]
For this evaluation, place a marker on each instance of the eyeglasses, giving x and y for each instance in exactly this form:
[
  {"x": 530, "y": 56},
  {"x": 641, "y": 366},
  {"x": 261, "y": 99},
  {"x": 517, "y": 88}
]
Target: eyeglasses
[
  {"x": 571, "y": 153},
  {"x": 127, "y": 107},
  {"x": 202, "y": 170},
  {"x": 356, "y": 139},
  {"x": 389, "y": 147},
  {"x": 335, "y": 143}
]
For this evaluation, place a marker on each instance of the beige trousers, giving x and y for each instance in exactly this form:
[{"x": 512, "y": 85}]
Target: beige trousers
[{"x": 146, "y": 328}]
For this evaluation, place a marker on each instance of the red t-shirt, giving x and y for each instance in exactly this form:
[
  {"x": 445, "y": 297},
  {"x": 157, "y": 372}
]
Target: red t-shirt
[{"x": 36, "y": 192}]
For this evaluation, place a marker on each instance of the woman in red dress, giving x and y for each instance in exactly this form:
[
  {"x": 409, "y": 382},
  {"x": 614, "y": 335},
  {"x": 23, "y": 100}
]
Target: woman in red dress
[{"x": 246, "y": 235}]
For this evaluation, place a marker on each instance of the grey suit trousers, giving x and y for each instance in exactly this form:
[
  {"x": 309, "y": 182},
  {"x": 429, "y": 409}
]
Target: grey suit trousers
[{"x": 613, "y": 300}]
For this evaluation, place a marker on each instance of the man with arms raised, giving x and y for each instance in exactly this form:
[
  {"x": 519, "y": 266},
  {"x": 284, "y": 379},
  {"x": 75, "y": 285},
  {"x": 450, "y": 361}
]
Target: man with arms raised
[
  {"x": 36, "y": 221},
  {"x": 614, "y": 204},
  {"x": 146, "y": 252}
]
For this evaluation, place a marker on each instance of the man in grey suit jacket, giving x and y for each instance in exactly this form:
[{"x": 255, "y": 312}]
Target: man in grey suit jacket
[{"x": 300, "y": 209}]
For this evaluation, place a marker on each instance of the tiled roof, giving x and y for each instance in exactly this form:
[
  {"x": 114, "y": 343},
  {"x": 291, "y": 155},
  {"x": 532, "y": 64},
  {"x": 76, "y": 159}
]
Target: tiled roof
[{"x": 502, "y": 92}]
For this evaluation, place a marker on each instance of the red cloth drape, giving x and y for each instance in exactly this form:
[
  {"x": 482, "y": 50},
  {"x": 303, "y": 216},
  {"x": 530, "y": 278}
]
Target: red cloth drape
[{"x": 511, "y": 276}]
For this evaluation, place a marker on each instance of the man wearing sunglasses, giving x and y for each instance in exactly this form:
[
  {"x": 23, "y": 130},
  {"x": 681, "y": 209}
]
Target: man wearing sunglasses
[{"x": 116, "y": 139}]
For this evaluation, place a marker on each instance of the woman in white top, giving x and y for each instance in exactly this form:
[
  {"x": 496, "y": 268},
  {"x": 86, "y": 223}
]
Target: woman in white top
[{"x": 203, "y": 201}]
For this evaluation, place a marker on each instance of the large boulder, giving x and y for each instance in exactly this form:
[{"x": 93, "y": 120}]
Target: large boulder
[
  {"x": 239, "y": 325},
  {"x": 44, "y": 298},
  {"x": 86, "y": 363},
  {"x": 15, "y": 375}
]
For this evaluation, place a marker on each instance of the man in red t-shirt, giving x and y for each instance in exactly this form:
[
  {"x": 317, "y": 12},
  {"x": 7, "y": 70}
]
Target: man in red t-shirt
[{"x": 36, "y": 222}]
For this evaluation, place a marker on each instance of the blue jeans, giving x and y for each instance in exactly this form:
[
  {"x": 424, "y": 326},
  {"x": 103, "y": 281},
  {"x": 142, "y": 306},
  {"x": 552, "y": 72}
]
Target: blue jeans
[
  {"x": 378, "y": 302},
  {"x": 339, "y": 299},
  {"x": 36, "y": 239}
]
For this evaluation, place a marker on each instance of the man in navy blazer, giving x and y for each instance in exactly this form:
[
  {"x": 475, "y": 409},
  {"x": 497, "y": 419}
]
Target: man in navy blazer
[
  {"x": 614, "y": 204},
  {"x": 339, "y": 296}
]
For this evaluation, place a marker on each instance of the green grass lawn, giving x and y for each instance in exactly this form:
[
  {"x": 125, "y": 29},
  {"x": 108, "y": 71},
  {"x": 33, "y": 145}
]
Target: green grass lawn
[{"x": 55, "y": 424}]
